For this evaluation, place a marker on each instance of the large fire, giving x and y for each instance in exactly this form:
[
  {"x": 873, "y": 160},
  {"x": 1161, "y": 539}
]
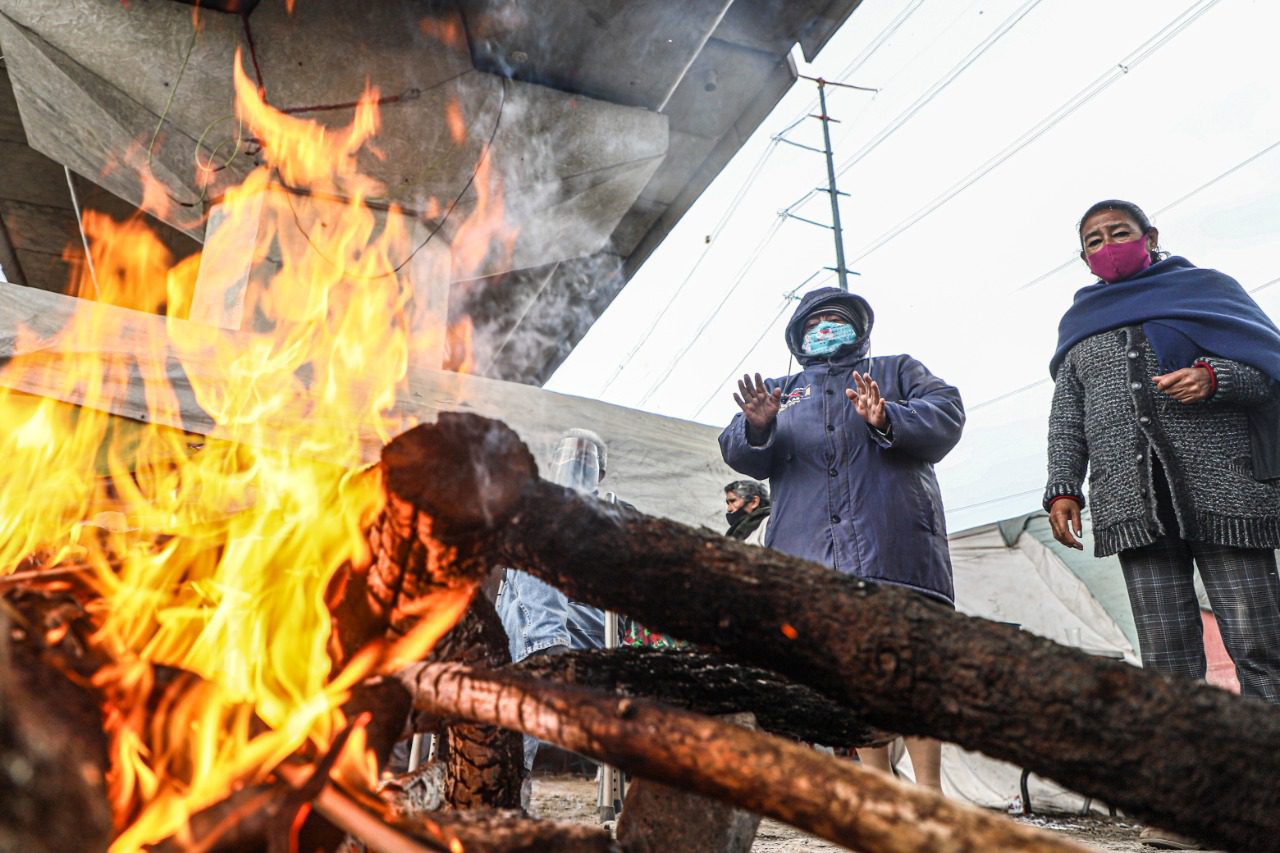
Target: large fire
[{"x": 213, "y": 552}]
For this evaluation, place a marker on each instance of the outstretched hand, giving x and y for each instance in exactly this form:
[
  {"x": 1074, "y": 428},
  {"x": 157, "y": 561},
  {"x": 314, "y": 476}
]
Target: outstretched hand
[
  {"x": 867, "y": 401},
  {"x": 759, "y": 405}
]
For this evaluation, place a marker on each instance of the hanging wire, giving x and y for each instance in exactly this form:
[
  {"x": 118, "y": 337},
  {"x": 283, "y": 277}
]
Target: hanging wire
[
  {"x": 773, "y": 321},
  {"x": 484, "y": 155},
  {"x": 84, "y": 239},
  {"x": 938, "y": 87},
  {"x": 1107, "y": 79},
  {"x": 730, "y": 211},
  {"x": 1074, "y": 258},
  {"x": 732, "y": 208},
  {"x": 737, "y": 282}
]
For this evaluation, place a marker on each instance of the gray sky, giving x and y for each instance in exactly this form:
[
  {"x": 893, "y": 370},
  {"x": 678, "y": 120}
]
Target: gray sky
[{"x": 996, "y": 124}]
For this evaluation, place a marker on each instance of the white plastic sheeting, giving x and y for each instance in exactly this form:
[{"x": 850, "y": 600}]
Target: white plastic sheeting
[{"x": 1028, "y": 584}]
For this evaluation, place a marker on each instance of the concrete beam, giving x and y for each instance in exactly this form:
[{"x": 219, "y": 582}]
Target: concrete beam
[
  {"x": 626, "y": 51},
  {"x": 93, "y": 79}
]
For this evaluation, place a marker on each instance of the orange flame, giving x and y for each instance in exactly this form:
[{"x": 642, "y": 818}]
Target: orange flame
[
  {"x": 457, "y": 127},
  {"x": 213, "y": 555}
]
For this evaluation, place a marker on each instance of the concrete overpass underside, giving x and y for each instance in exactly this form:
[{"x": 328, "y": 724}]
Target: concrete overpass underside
[{"x": 606, "y": 121}]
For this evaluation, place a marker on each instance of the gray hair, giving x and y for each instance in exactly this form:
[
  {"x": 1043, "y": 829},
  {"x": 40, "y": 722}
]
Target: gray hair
[
  {"x": 748, "y": 489},
  {"x": 594, "y": 438}
]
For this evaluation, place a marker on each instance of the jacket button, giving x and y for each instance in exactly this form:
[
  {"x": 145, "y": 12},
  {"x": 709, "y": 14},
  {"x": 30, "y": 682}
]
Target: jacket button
[
  {"x": 832, "y": 472},
  {"x": 835, "y": 519},
  {"x": 1141, "y": 456},
  {"x": 1133, "y": 353},
  {"x": 830, "y": 392},
  {"x": 1137, "y": 386},
  {"x": 831, "y": 428},
  {"x": 1144, "y": 420}
]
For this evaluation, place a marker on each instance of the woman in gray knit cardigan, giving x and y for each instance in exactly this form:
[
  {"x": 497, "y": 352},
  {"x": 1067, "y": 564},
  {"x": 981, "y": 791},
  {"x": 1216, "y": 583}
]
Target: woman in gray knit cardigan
[{"x": 1165, "y": 390}]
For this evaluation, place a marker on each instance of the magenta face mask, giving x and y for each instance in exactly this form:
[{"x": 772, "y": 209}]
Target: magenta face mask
[{"x": 1117, "y": 261}]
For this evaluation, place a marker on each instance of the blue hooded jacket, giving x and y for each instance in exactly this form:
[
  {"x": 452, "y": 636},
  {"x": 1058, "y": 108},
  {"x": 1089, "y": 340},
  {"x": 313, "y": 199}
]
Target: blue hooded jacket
[{"x": 863, "y": 503}]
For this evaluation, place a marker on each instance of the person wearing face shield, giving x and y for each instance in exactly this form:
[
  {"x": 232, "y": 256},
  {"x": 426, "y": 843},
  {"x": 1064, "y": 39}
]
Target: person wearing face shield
[
  {"x": 538, "y": 618},
  {"x": 848, "y": 446}
]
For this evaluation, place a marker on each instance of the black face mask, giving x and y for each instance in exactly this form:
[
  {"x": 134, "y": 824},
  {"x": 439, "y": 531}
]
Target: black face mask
[{"x": 737, "y": 515}]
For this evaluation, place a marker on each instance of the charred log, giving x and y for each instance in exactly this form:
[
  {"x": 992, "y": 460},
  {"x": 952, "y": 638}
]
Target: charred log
[
  {"x": 509, "y": 831},
  {"x": 833, "y": 798},
  {"x": 1141, "y": 741},
  {"x": 485, "y": 764},
  {"x": 241, "y": 823},
  {"x": 708, "y": 684},
  {"x": 53, "y": 753}
]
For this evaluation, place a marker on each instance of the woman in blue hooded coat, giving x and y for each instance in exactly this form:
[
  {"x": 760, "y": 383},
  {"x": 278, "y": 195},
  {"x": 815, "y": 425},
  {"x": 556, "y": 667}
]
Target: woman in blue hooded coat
[{"x": 848, "y": 445}]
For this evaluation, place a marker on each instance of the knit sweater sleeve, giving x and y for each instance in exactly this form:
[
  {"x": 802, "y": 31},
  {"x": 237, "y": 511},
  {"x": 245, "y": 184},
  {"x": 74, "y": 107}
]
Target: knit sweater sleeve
[
  {"x": 1068, "y": 450},
  {"x": 1238, "y": 384}
]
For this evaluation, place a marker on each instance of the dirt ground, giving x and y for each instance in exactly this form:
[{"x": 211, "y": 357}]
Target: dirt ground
[{"x": 573, "y": 798}]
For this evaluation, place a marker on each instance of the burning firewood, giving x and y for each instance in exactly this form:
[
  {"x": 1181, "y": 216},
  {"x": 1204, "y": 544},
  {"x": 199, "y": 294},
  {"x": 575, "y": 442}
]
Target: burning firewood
[
  {"x": 53, "y": 751},
  {"x": 833, "y": 798},
  {"x": 1179, "y": 754},
  {"x": 485, "y": 767},
  {"x": 509, "y": 831}
]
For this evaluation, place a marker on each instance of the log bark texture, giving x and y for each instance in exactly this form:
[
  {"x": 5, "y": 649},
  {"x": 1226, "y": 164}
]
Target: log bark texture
[
  {"x": 53, "y": 752},
  {"x": 509, "y": 831},
  {"x": 1176, "y": 753},
  {"x": 708, "y": 684},
  {"x": 832, "y": 798},
  {"x": 485, "y": 764}
]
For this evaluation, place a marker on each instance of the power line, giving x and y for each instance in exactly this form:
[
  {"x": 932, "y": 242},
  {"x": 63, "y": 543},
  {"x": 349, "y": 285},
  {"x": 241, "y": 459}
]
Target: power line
[
  {"x": 940, "y": 85},
  {"x": 1187, "y": 196},
  {"x": 1006, "y": 395},
  {"x": 737, "y": 282},
  {"x": 919, "y": 104},
  {"x": 1002, "y": 29},
  {"x": 925, "y": 49},
  {"x": 858, "y": 61},
  {"x": 862, "y": 58},
  {"x": 1095, "y": 88},
  {"x": 786, "y": 303},
  {"x": 729, "y": 211},
  {"x": 732, "y": 208},
  {"x": 1034, "y": 491}
]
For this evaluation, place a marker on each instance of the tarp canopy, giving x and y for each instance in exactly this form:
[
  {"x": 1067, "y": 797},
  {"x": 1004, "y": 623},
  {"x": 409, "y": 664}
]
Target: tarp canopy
[{"x": 1015, "y": 571}]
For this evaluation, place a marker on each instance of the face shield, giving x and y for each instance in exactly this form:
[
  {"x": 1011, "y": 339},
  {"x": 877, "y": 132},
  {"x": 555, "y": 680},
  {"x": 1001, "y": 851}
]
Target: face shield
[{"x": 576, "y": 465}]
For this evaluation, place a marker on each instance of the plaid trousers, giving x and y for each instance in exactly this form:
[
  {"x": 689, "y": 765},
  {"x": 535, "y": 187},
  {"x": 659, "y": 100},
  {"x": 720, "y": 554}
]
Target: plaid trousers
[{"x": 1244, "y": 590}]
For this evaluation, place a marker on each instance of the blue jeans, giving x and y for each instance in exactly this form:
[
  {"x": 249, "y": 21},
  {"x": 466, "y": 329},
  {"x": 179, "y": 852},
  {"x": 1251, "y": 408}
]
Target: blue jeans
[{"x": 537, "y": 616}]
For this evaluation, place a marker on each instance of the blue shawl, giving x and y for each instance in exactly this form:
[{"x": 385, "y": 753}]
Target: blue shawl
[{"x": 1186, "y": 313}]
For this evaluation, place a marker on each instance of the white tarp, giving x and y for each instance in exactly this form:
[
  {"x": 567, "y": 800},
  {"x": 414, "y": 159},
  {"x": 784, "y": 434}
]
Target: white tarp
[{"x": 1024, "y": 583}]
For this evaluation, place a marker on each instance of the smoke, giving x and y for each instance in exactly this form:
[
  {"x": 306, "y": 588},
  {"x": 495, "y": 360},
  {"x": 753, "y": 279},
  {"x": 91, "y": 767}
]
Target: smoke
[
  {"x": 564, "y": 171},
  {"x": 525, "y": 324}
]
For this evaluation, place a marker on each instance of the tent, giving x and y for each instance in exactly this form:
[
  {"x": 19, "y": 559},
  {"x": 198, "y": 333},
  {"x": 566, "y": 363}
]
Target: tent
[{"x": 1014, "y": 571}]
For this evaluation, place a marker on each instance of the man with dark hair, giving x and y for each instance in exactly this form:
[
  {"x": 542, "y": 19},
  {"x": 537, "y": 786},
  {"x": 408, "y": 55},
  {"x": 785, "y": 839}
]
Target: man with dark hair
[{"x": 746, "y": 505}]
